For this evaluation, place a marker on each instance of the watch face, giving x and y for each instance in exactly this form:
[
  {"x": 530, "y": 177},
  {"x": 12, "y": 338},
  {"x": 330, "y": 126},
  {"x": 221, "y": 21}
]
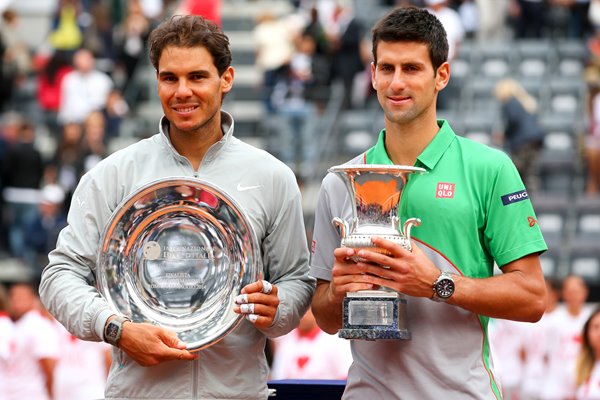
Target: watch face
[
  {"x": 445, "y": 288},
  {"x": 112, "y": 330}
]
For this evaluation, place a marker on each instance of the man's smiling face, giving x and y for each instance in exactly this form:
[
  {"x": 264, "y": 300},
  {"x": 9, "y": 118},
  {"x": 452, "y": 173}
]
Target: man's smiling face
[
  {"x": 405, "y": 81},
  {"x": 190, "y": 89}
]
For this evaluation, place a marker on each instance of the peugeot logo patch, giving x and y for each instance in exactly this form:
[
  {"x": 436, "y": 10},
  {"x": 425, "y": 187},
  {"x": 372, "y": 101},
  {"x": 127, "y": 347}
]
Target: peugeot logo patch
[{"x": 514, "y": 197}]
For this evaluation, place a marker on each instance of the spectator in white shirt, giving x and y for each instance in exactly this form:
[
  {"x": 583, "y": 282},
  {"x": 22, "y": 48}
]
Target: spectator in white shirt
[
  {"x": 82, "y": 367},
  {"x": 83, "y": 90},
  {"x": 33, "y": 349},
  {"x": 309, "y": 353},
  {"x": 536, "y": 347},
  {"x": 565, "y": 340}
]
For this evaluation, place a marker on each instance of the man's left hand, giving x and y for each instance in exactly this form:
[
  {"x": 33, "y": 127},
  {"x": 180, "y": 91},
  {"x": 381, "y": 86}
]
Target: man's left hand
[{"x": 258, "y": 301}]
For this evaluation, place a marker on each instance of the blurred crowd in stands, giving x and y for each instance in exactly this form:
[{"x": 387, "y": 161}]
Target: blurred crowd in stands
[
  {"x": 83, "y": 84},
  {"x": 77, "y": 104},
  {"x": 544, "y": 360},
  {"x": 83, "y": 74},
  {"x": 39, "y": 359}
]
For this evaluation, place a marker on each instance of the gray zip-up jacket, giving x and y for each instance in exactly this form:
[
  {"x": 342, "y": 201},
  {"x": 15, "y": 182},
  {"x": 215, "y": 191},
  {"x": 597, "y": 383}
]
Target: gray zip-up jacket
[{"x": 235, "y": 367}]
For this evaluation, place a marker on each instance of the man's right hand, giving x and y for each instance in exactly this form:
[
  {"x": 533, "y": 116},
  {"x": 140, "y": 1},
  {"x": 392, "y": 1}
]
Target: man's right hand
[{"x": 150, "y": 345}]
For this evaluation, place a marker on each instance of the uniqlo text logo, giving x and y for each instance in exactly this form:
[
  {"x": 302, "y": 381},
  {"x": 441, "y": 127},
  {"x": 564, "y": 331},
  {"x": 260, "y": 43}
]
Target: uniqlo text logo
[{"x": 445, "y": 190}]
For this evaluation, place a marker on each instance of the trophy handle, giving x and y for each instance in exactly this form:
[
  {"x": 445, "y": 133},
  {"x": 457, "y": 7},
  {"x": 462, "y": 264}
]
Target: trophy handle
[
  {"x": 343, "y": 225},
  {"x": 408, "y": 225}
]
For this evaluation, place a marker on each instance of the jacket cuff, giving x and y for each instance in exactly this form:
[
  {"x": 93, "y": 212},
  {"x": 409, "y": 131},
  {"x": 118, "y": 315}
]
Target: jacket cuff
[{"x": 101, "y": 322}]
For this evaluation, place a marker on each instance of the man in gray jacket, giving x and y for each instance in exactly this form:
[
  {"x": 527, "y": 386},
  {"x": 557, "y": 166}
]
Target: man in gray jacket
[{"x": 193, "y": 63}]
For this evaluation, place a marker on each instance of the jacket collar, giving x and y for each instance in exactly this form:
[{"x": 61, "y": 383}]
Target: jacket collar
[{"x": 227, "y": 125}]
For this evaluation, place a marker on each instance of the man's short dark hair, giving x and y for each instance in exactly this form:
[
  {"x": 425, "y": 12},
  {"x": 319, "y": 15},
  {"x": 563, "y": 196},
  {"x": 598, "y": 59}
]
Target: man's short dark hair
[
  {"x": 412, "y": 24},
  {"x": 190, "y": 31}
]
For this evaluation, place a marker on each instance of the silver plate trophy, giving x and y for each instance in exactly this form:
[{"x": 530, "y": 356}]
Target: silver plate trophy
[
  {"x": 176, "y": 253},
  {"x": 375, "y": 192}
]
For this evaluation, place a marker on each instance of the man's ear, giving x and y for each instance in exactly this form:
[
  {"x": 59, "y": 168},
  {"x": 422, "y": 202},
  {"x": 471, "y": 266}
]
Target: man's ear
[
  {"x": 442, "y": 76},
  {"x": 373, "y": 82},
  {"x": 227, "y": 79}
]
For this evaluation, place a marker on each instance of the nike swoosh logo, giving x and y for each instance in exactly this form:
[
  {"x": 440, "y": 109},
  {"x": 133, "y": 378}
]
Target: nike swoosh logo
[{"x": 242, "y": 188}]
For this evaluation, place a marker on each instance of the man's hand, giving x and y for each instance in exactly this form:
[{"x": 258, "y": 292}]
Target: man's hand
[
  {"x": 258, "y": 301},
  {"x": 150, "y": 345},
  {"x": 409, "y": 272},
  {"x": 346, "y": 275}
]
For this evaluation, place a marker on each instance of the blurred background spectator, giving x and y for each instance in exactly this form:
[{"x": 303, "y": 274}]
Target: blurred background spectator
[
  {"x": 33, "y": 348},
  {"x": 321, "y": 54},
  {"x": 210, "y": 9},
  {"x": 115, "y": 112},
  {"x": 565, "y": 340},
  {"x": 529, "y": 17},
  {"x": 17, "y": 56},
  {"x": 535, "y": 351},
  {"x": 93, "y": 145},
  {"x": 130, "y": 41},
  {"x": 345, "y": 34},
  {"x": 9, "y": 133},
  {"x": 522, "y": 136},
  {"x": 65, "y": 167},
  {"x": 6, "y": 334},
  {"x": 592, "y": 141},
  {"x": 83, "y": 90},
  {"x": 493, "y": 19},
  {"x": 452, "y": 22},
  {"x": 274, "y": 49},
  {"x": 67, "y": 26},
  {"x": 41, "y": 232},
  {"x": 82, "y": 368},
  {"x": 588, "y": 367},
  {"x": 468, "y": 12},
  {"x": 52, "y": 70},
  {"x": 507, "y": 346},
  {"x": 22, "y": 173},
  {"x": 309, "y": 353},
  {"x": 455, "y": 33}
]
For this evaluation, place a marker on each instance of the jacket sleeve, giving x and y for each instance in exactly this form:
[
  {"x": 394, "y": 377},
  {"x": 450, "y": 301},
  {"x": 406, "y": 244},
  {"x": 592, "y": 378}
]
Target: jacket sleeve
[
  {"x": 285, "y": 257},
  {"x": 68, "y": 283}
]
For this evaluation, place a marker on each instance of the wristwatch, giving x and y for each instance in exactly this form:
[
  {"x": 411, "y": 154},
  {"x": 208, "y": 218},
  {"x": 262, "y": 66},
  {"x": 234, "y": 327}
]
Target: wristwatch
[
  {"x": 443, "y": 287},
  {"x": 113, "y": 330}
]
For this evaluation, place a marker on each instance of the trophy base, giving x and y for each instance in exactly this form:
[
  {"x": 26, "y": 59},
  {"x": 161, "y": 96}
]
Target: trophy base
[{"x": 374, "y": 314}]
